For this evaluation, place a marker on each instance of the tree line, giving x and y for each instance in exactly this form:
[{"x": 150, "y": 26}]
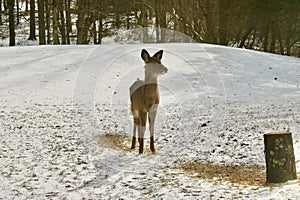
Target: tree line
[{"x": 265, "y": 25}]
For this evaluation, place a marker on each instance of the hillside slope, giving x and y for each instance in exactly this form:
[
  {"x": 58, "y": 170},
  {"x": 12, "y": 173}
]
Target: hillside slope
[{"x": 65, "y": 124}]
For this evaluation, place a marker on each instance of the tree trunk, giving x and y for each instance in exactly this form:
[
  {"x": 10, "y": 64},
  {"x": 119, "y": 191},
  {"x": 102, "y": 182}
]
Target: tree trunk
[
  {"x": 48, "y": 19},
  {"x": 55, "y": 22},
  {"x": 144, "y": 22},
  {"x": 26, "y": 5},
  {"x": 163, "y": 26},
  {"x": 128, "y": 21},
  {"x": 252, "y": 42},
  {"x": 42, "y": 39},
  {"x": 266, "y": 38},
  {"x": 18, "y": 12},
  {"x": 157, "y": 31},
  {"x": 94, "y": 30},
  {"x": 0, "y": 12},
  {"x": 118, "y": 20},
  {"x": 210, "y": 29},
  {"x": 68, "y": 20},
  {"x": 288, "y": 46},
  {"x": 62, "y": 24},
  {"x": 244, "y": 38},
  {"x": 11, "y": 17},
  {"x": 280, "y": 41},
  {"x": 82, "y": 26},
  {"x": 100, "y": 30},
  {"x": 32, "y": 21},
  {"x": 280, "y": 159},
  {"x": 223, "y": 21},
  {"x": 274, "y": 37}
]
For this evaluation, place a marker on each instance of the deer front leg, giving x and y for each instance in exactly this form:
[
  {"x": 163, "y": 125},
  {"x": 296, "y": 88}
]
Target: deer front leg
[
  {"x": 151, "y": 117},
  {"x": 135, "y": 125},
  {"x": 141, "y": 130},
  {"x": 134, "y": 136}
]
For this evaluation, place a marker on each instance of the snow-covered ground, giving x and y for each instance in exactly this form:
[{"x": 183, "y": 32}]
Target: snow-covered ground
[{"x": 65, "y": 124}]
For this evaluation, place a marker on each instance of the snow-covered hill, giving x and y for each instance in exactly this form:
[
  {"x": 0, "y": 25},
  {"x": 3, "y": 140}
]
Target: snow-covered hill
[{"x": 65, "y": 124}]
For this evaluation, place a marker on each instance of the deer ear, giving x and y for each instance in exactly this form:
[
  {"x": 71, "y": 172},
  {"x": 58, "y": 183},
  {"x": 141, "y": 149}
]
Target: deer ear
[
  {"x": 158, "y": 54},
  {"x": 145, "y": 55}
]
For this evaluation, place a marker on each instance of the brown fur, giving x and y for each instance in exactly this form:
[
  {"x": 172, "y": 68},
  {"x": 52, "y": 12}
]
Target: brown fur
[{"x": 142, "y": 99}]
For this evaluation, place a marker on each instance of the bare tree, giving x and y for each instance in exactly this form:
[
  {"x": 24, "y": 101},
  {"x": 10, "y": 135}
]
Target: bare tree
[
  {"x": 11, "y": 5},
  {"x": 48, "y": 19},
  {"x": 68, "y": 20},
  {"x": 62, "y": 24},
  {"x": 55, "y": 22},
  {"x": 26, "y": 5},
  {"x": 84, "y": 21},
  {"x": 18, "y": 12},
  {"x": 161, "y": 13},
  {"x": 0, "y": 12},
  {"x": 32, "y": 35},
  {"x": 41, "y": 15}
]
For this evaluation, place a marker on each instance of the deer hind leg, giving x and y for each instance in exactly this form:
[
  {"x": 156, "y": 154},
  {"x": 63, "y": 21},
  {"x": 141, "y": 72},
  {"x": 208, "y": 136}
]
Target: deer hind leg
[
  {"x": 135, "y": 125},
  {"x": 141, "y": 130},
  {"x": 151, "y": 118}
]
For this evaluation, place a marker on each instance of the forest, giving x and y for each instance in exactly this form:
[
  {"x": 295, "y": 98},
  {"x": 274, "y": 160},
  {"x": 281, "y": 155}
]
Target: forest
[{"x": 264, "y": 25}]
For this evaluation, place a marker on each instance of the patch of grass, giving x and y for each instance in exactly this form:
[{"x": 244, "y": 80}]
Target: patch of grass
[{"x": 238, "y": 174}]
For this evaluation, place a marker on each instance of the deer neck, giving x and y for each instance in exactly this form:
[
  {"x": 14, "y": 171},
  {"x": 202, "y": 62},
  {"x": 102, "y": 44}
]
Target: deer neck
[{"x": 150, "y": 78}]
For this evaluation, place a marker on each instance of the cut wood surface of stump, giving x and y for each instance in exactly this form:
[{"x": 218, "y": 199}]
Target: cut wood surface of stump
[{"x": 280, "y": 158}]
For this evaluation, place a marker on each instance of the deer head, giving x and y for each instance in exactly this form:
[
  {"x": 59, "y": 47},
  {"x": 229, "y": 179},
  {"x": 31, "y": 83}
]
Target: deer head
[{"x": 153, "y": 66}]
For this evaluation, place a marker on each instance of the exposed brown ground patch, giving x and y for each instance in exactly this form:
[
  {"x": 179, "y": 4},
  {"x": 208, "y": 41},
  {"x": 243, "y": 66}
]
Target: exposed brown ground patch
[
  {"x": 121, "y": 142},
  {"x": 241, "y": 174},
  {"x": 115, "y": 141}
]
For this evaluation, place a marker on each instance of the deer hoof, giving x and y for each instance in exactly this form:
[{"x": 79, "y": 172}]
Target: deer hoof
[
  {"x": 141, "y": 147},
  {"x": 133, "y": 143}
]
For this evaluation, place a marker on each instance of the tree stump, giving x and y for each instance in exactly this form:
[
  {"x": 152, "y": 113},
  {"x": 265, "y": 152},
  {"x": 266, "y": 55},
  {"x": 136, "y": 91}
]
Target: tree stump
[{"x": 280, "y": 158}]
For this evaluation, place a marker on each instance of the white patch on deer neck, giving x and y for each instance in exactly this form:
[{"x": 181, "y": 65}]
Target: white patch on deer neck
[
  {"x": 152, "y": 71},
  {"x": 150, "y": 78}
]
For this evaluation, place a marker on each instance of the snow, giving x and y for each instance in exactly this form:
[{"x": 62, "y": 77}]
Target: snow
[{"x": 65, "y": 122}]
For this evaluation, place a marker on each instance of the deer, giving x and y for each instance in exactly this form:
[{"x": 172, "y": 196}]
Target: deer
[{"x": 144, "y": 98}]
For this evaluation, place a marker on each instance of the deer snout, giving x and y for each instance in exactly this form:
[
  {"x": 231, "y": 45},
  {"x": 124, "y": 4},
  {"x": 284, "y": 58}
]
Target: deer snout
[{"x": 164, "y": 70}]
